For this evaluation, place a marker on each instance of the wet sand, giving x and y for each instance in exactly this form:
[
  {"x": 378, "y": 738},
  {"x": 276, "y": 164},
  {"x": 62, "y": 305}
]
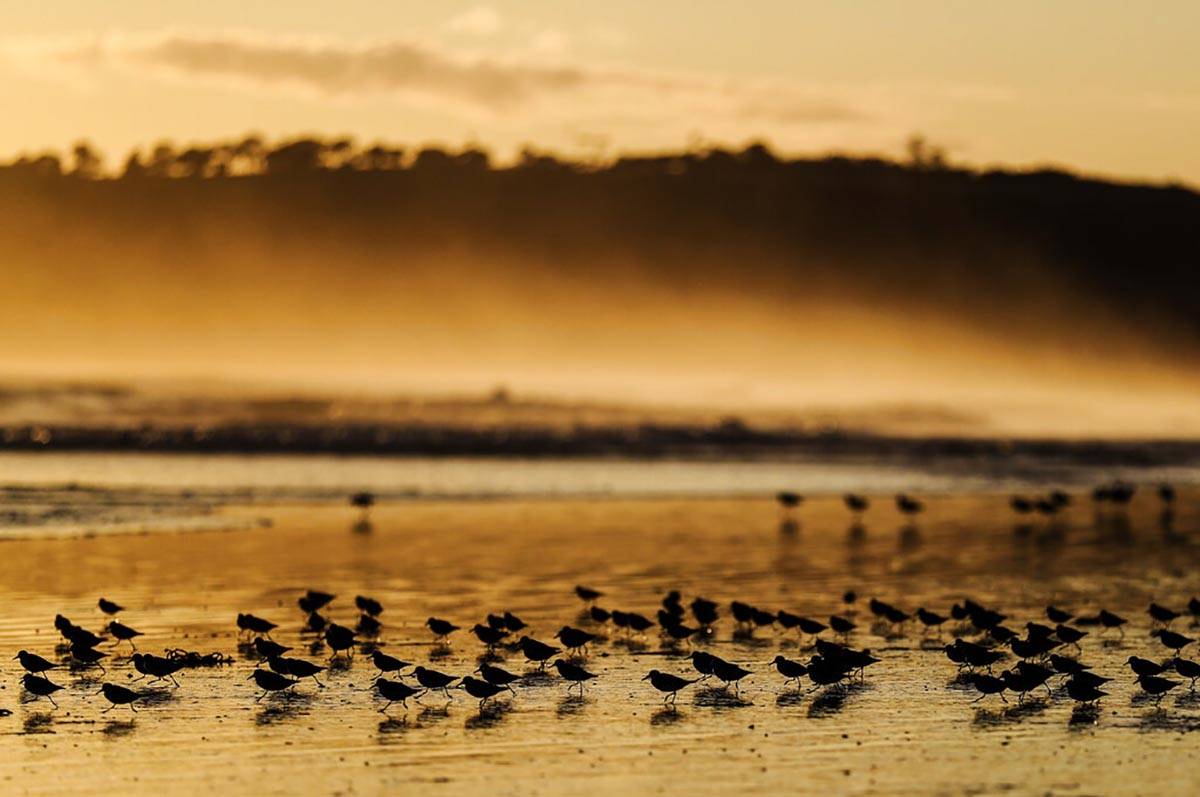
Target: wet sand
[{"x": 910, "y": 728}]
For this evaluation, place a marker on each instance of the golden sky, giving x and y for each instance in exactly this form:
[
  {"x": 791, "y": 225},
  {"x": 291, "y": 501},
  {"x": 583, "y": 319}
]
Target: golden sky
[{"x": 1100, "y": 86}]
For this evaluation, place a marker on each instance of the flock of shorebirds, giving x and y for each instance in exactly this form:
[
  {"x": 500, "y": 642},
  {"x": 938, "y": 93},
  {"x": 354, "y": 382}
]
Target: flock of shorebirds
[{"x": 982, "y": 641}]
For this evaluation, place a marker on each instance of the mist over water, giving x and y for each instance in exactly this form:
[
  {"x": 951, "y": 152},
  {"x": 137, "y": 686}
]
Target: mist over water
[{"x": 860, "y": 296}]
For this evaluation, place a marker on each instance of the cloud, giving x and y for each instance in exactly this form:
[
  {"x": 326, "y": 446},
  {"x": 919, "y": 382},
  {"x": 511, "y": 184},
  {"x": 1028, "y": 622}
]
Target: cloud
[
  {"x": 408, "y": 69},
  {"x": 477, "y": 21}
]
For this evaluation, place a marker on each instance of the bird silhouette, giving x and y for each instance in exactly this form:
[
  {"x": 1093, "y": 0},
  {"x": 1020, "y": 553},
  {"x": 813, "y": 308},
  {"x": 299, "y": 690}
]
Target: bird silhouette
[
  {"x": 1082, "y": 692},
  {"x": 441, "y": 628},
  {"x": 271, "y": 682},
  {"x": 432, "y": 679},
  {"x": 395, "y": 692},
  {"x": 40, "y": 686},
  {"x": 368, "y": 605},
  {"x": 587, "y": 594},
  {"x": 573, "y": 673},
  {"x": 574, "y": 639},
  {"x": 480, "y": 690},
  {"x": 340, "y": 638},
  {"x": 488, "y": 635},
  {"x": 536, "y": 651},
  {"x": 856, "y": 503},
  {"x": 110, "y": 608},
  {"x": 298, "y": 668},
  {"x": 248, "y": 623},
  {"x": 385, "y": 663},
  {"x": 1156, "y": 687},
  {"x": 668, "y": 684},
  {"x": 729, "y": 673},
  {"x": 33, "y": 663},
  {"x": 1172, "y": 640},
  {"x": 266, "y": 648},
  {"x": 790, "y": 670},
  {"x": 118, "y": 696},
  {"x": 497, "y": 676},
  {"x": 156, "y": 667}
]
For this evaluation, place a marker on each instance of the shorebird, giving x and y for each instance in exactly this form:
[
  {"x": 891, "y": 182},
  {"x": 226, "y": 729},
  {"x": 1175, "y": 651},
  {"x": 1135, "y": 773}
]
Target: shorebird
[
  {"x": 33, "y": 663},
  {"x": 513, "y": 623},
  {"x": 790, "y": 670},
  {"x": 705, "y": 612},
  {"x": 1172, "y": 640},
  {"x": 703, "y": 663},
  {"x": 157, "y": 667},
  {"x": 1110, "y": 620},
  {"x": 75, "y": 634},
  {"x": 362, "y": 500},
  {"x": 743, "y": 613},
  {"x": 637, "y": 622},
  {"x": 1064, "y": 665},
  {"x": 841, "y": 625},
  {"x": 1069, "y": 635},
  {"x": 266, "y": 648},
  {"x": 599, "y": 615},
  {"x": 804, "y": 625},
  {"x": 729, "y": 673},
  {"x": 385, "y": 663},
  {"x": 1082, "y": 692},
  {"x": 1057, "y": 616},
  {"x": 536, "y": 651},
  {"x": 1142, "y": 667},
  {"x": 1161, "y": 614},
  {"x": 118, "y": 696},
  {"x": 1156, "y": 686},
  {"x": 298, "y": 668},
  {"x": 789, "y": 500},
  {"x": 1188, "y": 669},
  {"x": 480, "y": 690},
  {"x": 432, "y": 679},
  {"x": 573, "y": 673},
  {"x": 497, "y": 676},
  {"x": 574, "y": 639},
  {"x": 395, "y": 692},
  {"x": 679, "y": 631},
  {"x": 314, "y": 600},
  {"x": 441, "y": 628},
  {"x": 248, "y": 623},
  {"x": 368, "y": 605},
  {"x": 271, "y": 682},
  {"x": 368, "y": 625},
  {"x": 339, "y": 638},
  {"x": 988, "y": 685},
  {"x": 108, "y": 607},
  {"x": 41, "y": 687},
  {"x": 488, "y": 635},
  {"x": 931, "y": 619},
  {"x": 587, "y": 594},
  {"x": 1020, "y": 504},
  {"x": 1089, "y": 678},
  {"x": 908, "y": 505},
  {"x": 315, "y": 623},
  {"x": 1032, "y": 647},
  {"x": 88, "y": 657},
  {"x": 1166, "y": 493},
  {"x": 856, "y": 503},
  {"x": 1039, "y": 631},
  {"x": 668, "y": 684},
  {"x": 825, "y": 673}
]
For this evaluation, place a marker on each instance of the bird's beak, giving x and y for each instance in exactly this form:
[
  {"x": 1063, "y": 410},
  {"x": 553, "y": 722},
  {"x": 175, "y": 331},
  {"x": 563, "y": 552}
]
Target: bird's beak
[
  {"x": 16, "y": 657},
  {"x": 644, "y": 677},
  {"x": 248, "y": 677},
  {"x": 477, "y": 669}
]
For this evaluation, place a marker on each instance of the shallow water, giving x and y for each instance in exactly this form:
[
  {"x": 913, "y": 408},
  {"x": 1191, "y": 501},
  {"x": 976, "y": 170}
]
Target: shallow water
[{"x": 908, "y": 729}]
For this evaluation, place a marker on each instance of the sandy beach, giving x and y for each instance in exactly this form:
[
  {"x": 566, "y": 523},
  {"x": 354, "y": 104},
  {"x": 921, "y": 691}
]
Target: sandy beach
[{"x": 909, "y": 728}]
